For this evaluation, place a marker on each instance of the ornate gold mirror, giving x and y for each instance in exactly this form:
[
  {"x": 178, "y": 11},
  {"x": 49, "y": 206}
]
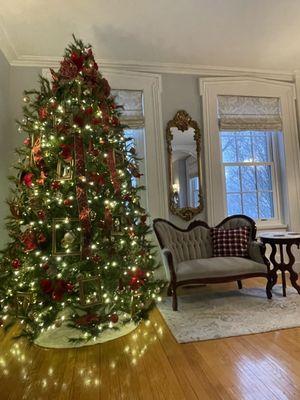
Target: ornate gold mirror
[{"x": 184, "y": 142}]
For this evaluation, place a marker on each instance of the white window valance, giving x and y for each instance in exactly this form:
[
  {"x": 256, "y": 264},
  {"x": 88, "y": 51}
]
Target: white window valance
[
  {"x": 132, "y": 113},
  {"x": 249, "y": 113}
]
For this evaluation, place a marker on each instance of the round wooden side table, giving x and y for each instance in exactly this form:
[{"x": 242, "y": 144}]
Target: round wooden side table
[{"x": 278, "y": 241}]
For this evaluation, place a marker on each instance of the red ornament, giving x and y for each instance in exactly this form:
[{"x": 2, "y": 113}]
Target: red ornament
[
  {"x": 27, "y": 179},
  {"x": 137, "y": 279},
  {"x": 29, "y": 241},
  {"x": 66, "y": 152},
  {"x": 43, "y": 113},
  {"x": 41, "y": 238},
  {"x": 46, "y": 285},
  {"x": 114, "y": 318},
  {"x": 16, "y": 263},
  {"x": 55, "y": 185},
  {"x": 41, "y": 214},
  {"x": 96, "y": 259},
  {"x": 68, "y": 202},
  {"x": 77, "y": 59},
  {"x": 27, "y": 142},
  {"x": 89, "y": 110},
  {"x": 45, "y": 266}
]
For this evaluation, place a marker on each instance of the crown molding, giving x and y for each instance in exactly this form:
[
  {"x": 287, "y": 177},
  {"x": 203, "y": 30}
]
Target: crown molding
[
  {"x": 6, "y": 45},
  {"x": 160, "y": 67}
]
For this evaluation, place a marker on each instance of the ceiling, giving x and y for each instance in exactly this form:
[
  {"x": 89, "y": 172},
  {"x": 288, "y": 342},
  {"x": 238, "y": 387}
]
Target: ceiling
[{"x": 252, "y": 34}]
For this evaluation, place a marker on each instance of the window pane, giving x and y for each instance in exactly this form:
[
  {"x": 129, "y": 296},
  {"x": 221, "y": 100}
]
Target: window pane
[
  {"x": 234, "y": 204},
  {"x": 232, "y": 179},
  {"x": 244, "y": 148},
  {"x": 266, "y": 206},
  {"x": 250, "y": 205},
  {"x": 248, "y": 178},
  {"x": 260, "y": 147},
  {"x": 264, "y": 177},
  {"x": 228, "y": 147}
]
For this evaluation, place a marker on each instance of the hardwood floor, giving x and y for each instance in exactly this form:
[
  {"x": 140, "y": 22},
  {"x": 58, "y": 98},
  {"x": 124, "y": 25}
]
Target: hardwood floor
[{"x": 150, "y": 364}]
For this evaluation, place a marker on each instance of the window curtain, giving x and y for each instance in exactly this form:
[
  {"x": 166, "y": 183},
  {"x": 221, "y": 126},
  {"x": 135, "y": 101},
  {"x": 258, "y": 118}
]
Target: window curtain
[
  {"x": 132, "y": 113},
  {"x": 242, "y": 113}
]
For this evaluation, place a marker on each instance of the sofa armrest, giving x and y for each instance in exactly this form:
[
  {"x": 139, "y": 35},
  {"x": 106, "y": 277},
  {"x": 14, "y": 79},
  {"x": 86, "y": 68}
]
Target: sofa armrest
[
  {"x": 257, "y": 252},
  {"x": 169, "y": 264}
]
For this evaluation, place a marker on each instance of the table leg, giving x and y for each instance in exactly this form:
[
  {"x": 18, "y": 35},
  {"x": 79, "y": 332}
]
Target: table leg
[
  {"x": 289, "y": 268},
  {"x": 283, "y": 283},
  {"x": 282, "y": 270},
  {"x": 275, "y": 268}
]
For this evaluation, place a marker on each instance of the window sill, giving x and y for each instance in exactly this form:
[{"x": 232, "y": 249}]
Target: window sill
[{"x": 271, "y": 227}]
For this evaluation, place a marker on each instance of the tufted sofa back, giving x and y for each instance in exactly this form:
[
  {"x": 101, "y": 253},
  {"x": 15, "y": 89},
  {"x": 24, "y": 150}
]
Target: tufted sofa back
[
  {"x": 195, "y": 242},
  {"x": 190, "y": 244}
]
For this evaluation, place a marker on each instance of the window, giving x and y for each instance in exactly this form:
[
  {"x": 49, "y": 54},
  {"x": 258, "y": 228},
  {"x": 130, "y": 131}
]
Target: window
[
  {"x": 249, "y": 172},
  {"x": 194, "y": 191},
  {"x": 133, "y": 117},
  {"x": 251, "y": 151},
  {"x": 248, "y": 128}
]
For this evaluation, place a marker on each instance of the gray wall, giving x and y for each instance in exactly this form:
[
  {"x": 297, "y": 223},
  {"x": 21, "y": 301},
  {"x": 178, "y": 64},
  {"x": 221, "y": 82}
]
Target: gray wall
[
  {"x": 13, "y": 80},
  {"x": 181, "y": 92},
  {"x": 5, "y": 137}
]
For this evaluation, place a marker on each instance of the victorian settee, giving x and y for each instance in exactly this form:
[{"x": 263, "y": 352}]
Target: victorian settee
[{"x": 188, "y": 255}]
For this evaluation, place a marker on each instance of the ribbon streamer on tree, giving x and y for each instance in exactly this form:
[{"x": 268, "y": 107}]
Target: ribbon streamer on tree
[
  {"x": 81, "y": 195},
  {"x": 36, "y": 154},
  {"x": 111, "y": 163}
]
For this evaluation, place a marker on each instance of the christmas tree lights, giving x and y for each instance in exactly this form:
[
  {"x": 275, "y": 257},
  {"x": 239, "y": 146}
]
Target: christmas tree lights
[{"x": 79, "y": 236}]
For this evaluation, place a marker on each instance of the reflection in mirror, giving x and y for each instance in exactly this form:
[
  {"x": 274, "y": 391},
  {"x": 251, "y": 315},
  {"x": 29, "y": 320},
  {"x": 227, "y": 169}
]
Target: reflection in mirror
[
  {"x": 185, "y": 182},
  {"x": 183, "y": 137}
]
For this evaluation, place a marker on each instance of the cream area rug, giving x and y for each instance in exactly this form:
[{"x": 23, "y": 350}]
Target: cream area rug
[{"x": 204, "y": 316}]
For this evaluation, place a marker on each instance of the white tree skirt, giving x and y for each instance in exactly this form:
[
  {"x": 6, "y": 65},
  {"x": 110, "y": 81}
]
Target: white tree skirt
[{"x": 58, "y": 338}]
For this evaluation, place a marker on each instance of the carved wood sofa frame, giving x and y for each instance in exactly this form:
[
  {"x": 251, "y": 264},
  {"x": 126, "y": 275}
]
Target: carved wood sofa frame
[{"x": 174, "y": 283}]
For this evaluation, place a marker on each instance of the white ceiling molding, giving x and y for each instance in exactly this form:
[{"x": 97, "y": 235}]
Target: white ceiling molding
[{"x": 168, "y": 68}]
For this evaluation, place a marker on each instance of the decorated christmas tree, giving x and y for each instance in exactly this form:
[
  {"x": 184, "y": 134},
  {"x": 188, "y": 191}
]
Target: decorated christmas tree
[{"x": 79, "y": 251}]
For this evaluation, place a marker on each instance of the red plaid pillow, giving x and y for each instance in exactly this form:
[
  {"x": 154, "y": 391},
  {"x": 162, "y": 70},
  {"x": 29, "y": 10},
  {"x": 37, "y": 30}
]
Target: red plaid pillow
[{"x": 230, "y": 242}]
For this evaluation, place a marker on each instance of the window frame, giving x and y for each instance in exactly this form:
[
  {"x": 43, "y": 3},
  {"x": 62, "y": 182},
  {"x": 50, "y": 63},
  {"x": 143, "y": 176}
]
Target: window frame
[
  {"x": 275, "y": 177},
  {"x": 210, "y": 88}
]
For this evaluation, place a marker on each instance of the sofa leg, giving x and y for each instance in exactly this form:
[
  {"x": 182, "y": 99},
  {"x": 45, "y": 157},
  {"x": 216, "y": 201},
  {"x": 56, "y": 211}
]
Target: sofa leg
[
  {"x": 240, "y": 285},
  {"x": 174, "y": 299},
  {"x": 169, "y": 290},
  {"x": 269, "y": 287}
]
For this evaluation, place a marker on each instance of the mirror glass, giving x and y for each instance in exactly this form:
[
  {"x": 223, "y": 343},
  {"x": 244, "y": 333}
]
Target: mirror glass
[
  {"x": 183, "y": 139},
  {"x": 185, "y": 178}
]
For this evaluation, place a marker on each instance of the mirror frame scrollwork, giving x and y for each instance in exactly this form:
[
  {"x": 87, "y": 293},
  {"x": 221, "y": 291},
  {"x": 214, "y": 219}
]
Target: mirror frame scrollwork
[{"x": 183, "y": 121}]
